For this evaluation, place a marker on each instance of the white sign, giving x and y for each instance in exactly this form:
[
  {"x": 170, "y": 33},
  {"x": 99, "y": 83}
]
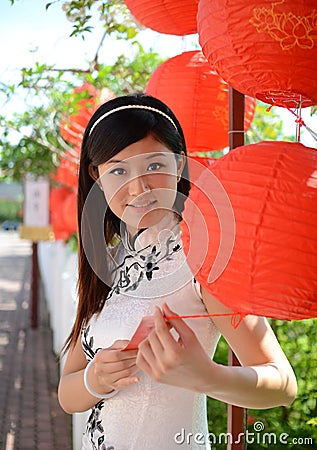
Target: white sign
[{"x": 36, "y": 202}]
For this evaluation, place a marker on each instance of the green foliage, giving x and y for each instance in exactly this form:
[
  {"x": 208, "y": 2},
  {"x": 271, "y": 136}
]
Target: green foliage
[
  {"x": 49, "y": 92},
  {"x": 113, "y": 14},
  {"x": 38, "y": 146},
  {"x": 127, "y": 75},
  {"x": 299, "y": 421},
  {"x": 10, "y": 210},
  {"x": 217, "y": 411},
  {"x": 266, "y": 126},
  {"x": 72, "y": 242},
  {"x": 313, "y": 109}
]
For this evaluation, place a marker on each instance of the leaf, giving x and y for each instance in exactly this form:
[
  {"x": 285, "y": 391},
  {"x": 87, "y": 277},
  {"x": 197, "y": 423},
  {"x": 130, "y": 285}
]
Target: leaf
[
  {"x": 313, "y": 110},
  {"x": 312, "y": 422},
  {"x": 131, "y": 32}
]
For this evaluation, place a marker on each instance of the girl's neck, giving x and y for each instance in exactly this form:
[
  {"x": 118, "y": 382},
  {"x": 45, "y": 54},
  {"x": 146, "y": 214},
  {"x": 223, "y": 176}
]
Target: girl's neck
[{"x": 151, "y": 235}]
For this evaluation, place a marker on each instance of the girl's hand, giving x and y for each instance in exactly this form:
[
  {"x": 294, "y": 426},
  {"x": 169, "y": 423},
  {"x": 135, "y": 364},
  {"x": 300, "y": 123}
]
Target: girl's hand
[
  {"x": 181, "y": 362},
  {"x": 113, "y": 369}
]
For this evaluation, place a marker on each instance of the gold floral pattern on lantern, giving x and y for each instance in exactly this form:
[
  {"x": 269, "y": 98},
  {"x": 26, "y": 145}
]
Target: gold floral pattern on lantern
[
  {"x": 220, "y": 113},
  {"x": 286, "y": 28}
]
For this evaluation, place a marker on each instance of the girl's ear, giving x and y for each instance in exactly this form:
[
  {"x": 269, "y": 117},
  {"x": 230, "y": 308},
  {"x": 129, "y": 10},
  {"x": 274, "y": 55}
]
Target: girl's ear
[
  {"x": 93, "y": 172},
  {"x": 181, "y": 161}
]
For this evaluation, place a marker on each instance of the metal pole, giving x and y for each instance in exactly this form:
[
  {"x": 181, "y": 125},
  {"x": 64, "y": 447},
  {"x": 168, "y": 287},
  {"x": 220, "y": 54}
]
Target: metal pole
[
  {"x": 34, "y": 287},
  {"x": 236, "y": 415},
  {"x": 236, "y": 118},
  {"x": 299, "y": 114}
]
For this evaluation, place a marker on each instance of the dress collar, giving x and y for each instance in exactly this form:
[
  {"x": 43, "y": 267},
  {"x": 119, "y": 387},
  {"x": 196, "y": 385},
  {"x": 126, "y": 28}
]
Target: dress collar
[{"x": 157, "y": 235}]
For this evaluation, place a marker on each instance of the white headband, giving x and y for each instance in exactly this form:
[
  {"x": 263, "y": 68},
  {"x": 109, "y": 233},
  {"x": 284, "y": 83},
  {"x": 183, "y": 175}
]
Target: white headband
[{"x": 120, "y": 108}]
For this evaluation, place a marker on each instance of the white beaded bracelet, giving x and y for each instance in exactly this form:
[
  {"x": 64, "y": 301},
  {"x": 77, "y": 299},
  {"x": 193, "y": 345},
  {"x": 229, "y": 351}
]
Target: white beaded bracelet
[{"x": 88, "y": 387}]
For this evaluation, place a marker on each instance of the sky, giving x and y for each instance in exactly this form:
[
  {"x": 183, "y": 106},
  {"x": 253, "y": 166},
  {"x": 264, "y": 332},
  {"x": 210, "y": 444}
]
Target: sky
[{"x": 29, "y": 33}]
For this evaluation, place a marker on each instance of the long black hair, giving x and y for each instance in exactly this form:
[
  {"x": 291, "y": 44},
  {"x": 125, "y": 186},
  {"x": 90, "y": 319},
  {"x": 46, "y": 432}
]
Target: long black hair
[{"x": 97, "y": 224}]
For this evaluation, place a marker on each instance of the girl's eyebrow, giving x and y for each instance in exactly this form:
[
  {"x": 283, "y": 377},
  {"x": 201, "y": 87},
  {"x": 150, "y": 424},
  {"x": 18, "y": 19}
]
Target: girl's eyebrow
[
  {"x": 154, "y": 155},
  {"x": 124, "y": 161},
  {"x": 114, "y": 161}
]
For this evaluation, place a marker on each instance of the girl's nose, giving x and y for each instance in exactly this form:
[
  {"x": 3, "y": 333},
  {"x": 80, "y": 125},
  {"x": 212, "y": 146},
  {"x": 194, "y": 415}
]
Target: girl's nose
[{"x": 137, "y": 185}]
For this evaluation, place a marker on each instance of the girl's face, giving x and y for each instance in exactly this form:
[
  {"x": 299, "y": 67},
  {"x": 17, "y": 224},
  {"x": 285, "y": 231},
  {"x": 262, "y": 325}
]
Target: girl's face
[{"x": 140, "y": 182}]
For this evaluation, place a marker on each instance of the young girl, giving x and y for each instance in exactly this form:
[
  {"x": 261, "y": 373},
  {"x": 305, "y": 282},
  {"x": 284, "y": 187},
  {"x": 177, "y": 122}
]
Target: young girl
[{"x": 133, "y": 182}]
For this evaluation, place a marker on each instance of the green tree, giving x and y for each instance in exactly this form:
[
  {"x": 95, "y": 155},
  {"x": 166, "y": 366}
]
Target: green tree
[
  {"x": 30, "y": 141},
  {"x": 40, "y": 144},
  {"x": 298, "y": 421},
  {"x": 266, "y": 125}
]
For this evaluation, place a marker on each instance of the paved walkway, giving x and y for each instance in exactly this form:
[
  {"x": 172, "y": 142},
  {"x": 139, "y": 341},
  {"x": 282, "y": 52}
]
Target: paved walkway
[{"x": 30, "y": 416}]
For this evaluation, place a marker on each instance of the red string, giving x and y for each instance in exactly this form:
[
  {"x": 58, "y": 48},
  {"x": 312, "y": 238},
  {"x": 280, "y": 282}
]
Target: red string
[
  {"x": 235, "y": 319},
  {"x": 298, "y": 120}
]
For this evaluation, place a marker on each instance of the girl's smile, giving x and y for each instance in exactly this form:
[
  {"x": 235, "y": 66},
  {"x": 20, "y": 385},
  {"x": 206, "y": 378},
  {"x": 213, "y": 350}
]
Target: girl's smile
[{"x": 142, "y": 206}]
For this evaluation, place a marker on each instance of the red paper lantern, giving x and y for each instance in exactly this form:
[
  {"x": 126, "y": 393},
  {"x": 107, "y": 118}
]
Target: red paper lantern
[
  {"x": 72, "y": 129},
  {"x": 69, "y": 212},
  {"x": 198, "y": 97},
  {"x": 196, "y": 164},
  {"x": 271, "y": 269},
  {"x": 166, "y": 16},
  {"x": 57, "y": 197},
  {"x": 263, "y": 48},
  {"x": 67, "y": 171}
]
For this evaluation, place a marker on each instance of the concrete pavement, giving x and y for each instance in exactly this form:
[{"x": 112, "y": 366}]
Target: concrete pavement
[{"x": 30, "y": 416}]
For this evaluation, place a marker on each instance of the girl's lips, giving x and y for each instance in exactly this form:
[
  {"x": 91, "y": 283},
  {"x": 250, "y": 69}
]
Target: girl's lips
[{"x": 142, "y": 207}]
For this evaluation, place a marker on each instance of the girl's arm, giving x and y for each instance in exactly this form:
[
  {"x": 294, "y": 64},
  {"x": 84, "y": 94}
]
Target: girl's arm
[
  {"x": 72, "y": 394},
  {"x": 265, "y": 379},
  {"x": 112, "y": 370}
]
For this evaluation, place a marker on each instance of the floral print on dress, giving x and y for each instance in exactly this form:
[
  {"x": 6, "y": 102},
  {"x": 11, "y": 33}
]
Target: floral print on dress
[
  {"x": 87, "y": 343},
  {"x": 144, "y": 263},
  {"x": 94, "y": 428}
]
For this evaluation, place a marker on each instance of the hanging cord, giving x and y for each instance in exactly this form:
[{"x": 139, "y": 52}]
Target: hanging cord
[{"x": 299, "y": 120}]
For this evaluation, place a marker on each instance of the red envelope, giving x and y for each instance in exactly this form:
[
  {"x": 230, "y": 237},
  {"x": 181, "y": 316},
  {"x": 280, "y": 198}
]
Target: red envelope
[{"x": 144, "y": 327}]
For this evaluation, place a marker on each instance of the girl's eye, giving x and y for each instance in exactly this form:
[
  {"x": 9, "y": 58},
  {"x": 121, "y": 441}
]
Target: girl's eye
[
  {"x": 118, "y": 171},
  {"x": 155, "y": 166}
]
